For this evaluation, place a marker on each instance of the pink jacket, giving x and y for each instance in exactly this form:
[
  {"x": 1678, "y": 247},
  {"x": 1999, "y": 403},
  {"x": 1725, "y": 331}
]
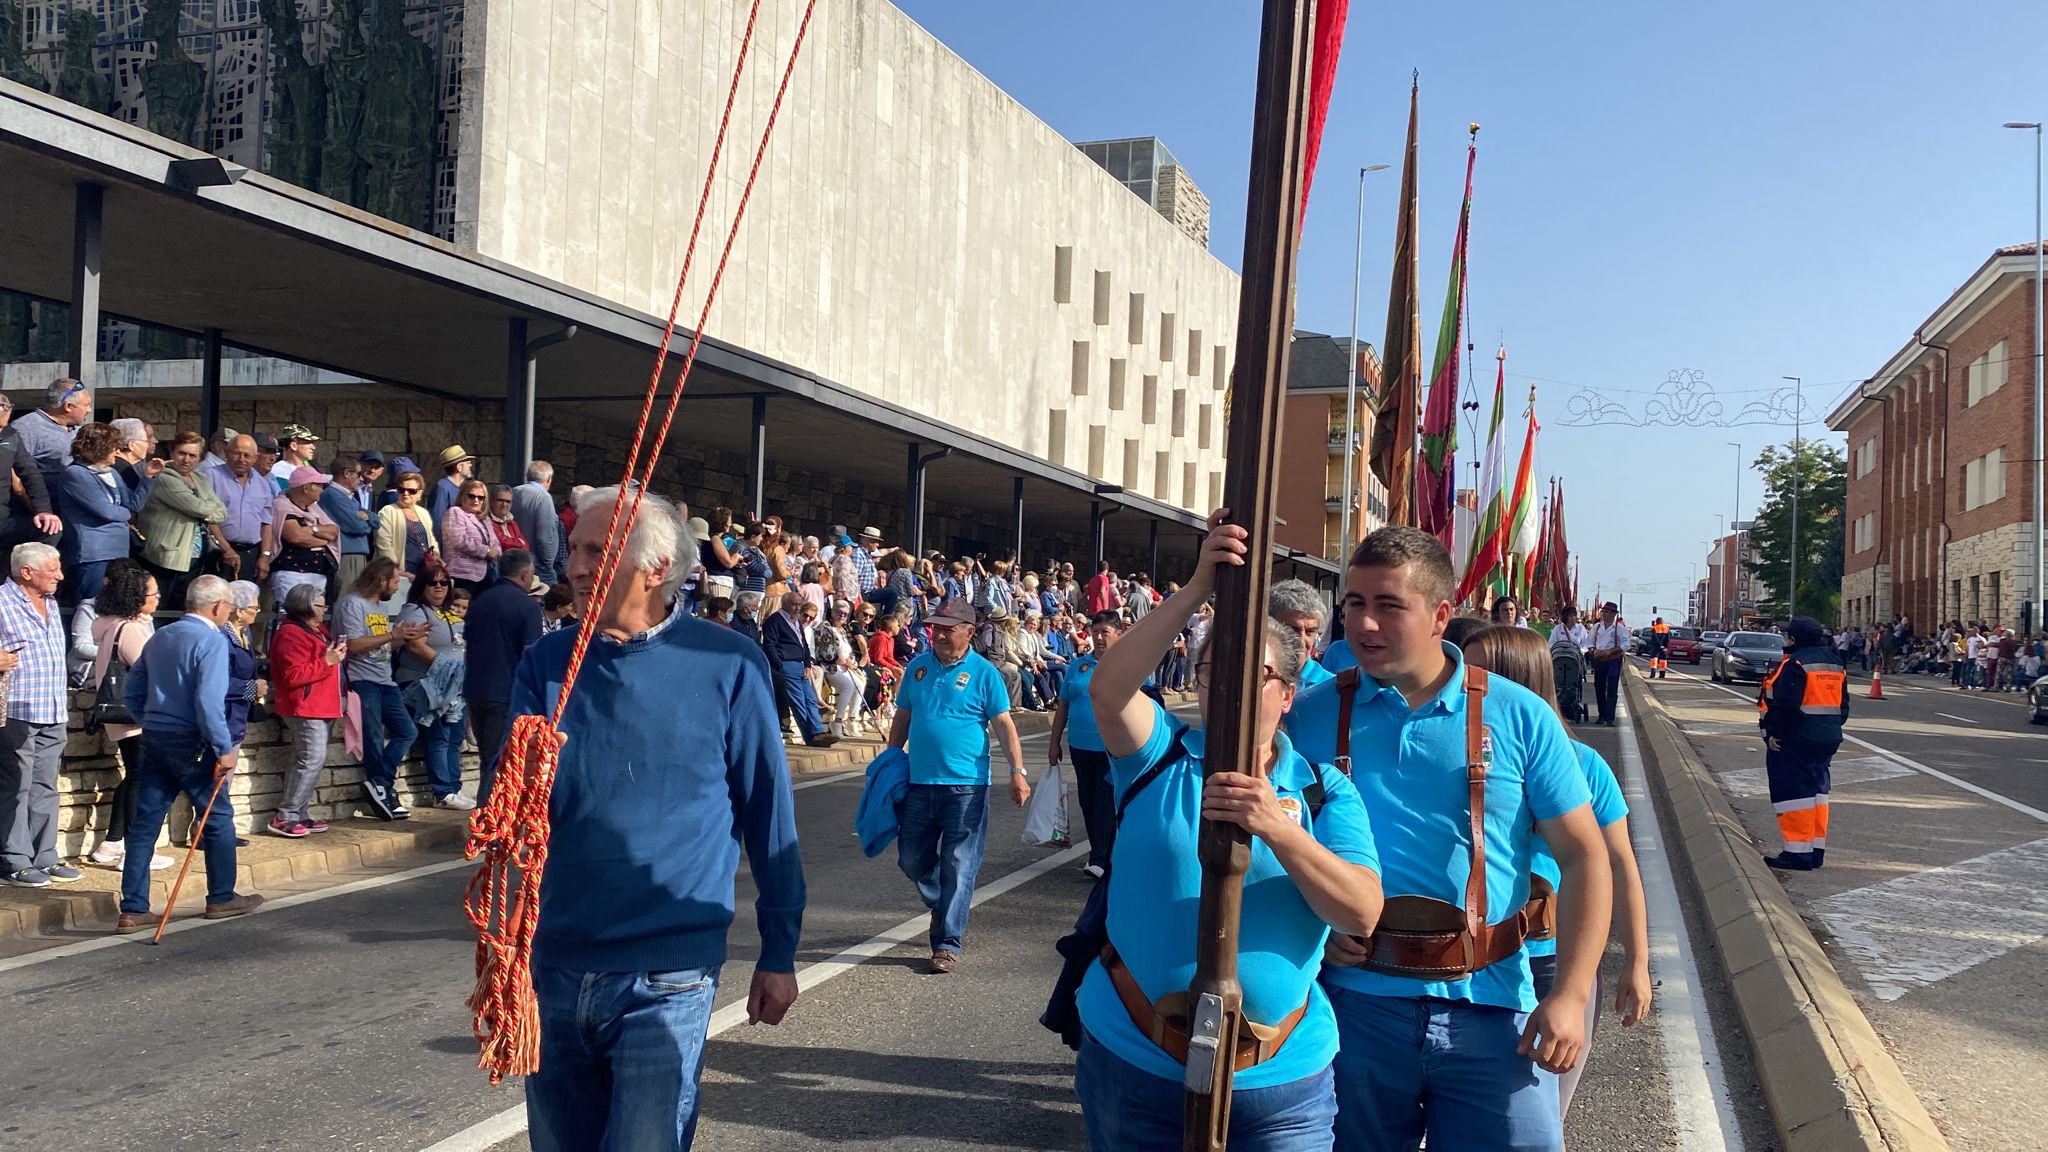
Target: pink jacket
[{"x": 466, "y": 544}]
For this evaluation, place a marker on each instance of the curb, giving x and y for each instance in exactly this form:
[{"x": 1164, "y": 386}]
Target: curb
[
  {"x": 1829, "y": 1080},
  {"x": 77, "y": 909}
]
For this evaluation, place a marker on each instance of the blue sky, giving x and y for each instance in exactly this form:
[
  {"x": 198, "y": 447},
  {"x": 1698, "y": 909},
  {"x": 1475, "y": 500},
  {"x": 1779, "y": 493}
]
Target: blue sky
[{"x": 1748, "y": 190}]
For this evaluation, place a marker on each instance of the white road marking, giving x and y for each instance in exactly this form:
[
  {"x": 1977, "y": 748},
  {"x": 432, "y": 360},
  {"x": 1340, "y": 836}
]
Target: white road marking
[
  {"x": 1915, "y": 765},
  {"x": 1953, "y": 716},
  {"x": 813, "y": 782},
  {"x": 1854, "y": 770},
  {"x": 1703, "y": 1110},
  {"x": 511, "y": 1122},
  {"x": 194, "y": 923},
  {"x": 1912, "y": 931}
]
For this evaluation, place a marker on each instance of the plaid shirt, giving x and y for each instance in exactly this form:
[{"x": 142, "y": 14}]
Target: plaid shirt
[
  {"x": 36, "y": 693},
  {"x": 863, "y": 566}
]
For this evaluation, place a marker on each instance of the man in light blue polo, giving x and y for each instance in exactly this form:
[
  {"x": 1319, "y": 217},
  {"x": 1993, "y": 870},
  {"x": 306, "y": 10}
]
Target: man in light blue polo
[
  {"x": 1433, "y": 1046},
  {"x": 947, "y": 700}
]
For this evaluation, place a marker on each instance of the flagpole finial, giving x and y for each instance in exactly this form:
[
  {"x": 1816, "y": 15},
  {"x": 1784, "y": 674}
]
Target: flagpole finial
[
  {"x": 1415, "y": 78},
  {"x": 1475, "y": 129},
  {"x": 1502, "y": 355}
]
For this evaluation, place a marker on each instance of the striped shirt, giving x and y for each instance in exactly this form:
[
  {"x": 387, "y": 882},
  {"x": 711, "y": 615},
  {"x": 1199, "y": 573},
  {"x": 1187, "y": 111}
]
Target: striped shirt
[{"x": 36, "y": 692}]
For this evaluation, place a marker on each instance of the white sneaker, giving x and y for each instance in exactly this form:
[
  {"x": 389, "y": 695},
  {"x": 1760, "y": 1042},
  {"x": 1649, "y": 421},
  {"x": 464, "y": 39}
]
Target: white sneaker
[
  {"x": 110, "y": 853},
  {"x": 456, "y": 800},
  {"x": 158, "y": 863}
]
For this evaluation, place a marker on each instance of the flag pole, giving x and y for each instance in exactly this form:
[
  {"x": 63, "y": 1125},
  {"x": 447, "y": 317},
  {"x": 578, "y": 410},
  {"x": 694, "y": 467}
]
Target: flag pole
[{"x": 1265, "y": 324}]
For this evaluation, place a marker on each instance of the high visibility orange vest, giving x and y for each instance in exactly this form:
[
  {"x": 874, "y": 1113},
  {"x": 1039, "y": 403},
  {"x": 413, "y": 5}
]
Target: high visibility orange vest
[
  {"x": 1660, "y": 628},
  {"x": 1823, "y": 704}
]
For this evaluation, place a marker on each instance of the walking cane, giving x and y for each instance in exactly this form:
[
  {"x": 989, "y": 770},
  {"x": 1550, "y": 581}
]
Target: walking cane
[{"x": 191, "y": 846}]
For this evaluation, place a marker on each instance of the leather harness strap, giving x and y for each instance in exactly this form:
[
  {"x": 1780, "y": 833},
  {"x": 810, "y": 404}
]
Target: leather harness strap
[
  {"x": 1347, "y": 698},
  {"x": 1166, "y": 1024},
  {"x": 1477, "y": 753}
]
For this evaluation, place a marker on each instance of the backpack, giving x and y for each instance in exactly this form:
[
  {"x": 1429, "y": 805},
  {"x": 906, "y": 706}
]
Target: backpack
[
  {"x": 1080, "y": 948},
  {"x": 828, "y": 651}
]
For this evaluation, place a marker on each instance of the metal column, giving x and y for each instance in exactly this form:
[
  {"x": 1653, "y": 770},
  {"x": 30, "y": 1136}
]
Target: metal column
[
  {"x": 209, "y": 383},
  {"x": 85, "y": 281},
  {"x": 518, "y": 403},
  {"x": 758, "y": 485},
  {"x": 1017, "y": 514},
  {"x": 1152, "y": 568},
  {"x": 1097, "y": 516},
  {"x": 919, "y": 461}
]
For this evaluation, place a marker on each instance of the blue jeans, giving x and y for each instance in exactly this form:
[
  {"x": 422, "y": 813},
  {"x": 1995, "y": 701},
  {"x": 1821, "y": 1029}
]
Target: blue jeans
[
  {"x": 1446, "y": 1069},
  {"x": 388, "y": 731},
  {"x": 1128, "y": 1110},
  {"x": 798, "y": 696},
  {"x": 173, "y": 763},
  {"x": 441, "y": 747},
  {"x": 620, "y": 1056},
  {"x": 942, "y": 830}
]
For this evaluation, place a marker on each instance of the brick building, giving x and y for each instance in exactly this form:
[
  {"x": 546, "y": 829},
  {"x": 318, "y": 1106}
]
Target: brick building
[
  {"x": 1939, "y": 522},
  {"x": 1729, "y": 594},
  {"x": 1310, "y": 499}
]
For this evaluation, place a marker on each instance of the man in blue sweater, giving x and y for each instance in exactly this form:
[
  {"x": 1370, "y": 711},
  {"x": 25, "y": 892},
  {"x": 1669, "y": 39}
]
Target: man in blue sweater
[
  {"x": 672, "y": 762},
  {"x": 503, "y": 622},
  {"x": 340, "y": 502},
  {"x": 178, "y": 691}
]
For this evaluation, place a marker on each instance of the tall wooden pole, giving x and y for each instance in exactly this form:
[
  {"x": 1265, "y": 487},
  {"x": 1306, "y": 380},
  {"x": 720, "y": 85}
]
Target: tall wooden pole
[{"x": 1265, "y": 326}]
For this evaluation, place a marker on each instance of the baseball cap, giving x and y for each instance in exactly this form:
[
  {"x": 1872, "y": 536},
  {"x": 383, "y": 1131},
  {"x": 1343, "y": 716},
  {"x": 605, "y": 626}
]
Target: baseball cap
[
  {"x": 307, "y": 474},
  {"x": 954, "y": 611},
  {"x": 265, "y": 442},
  {"x": 370, "y": 456},
  {"x": 297, "y": 432}
]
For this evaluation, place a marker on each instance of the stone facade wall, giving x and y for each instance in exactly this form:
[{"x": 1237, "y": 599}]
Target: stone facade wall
[
  {"x": 908, "y": 237},
  {"x": 1866, "y": 596},
  {"x": 91, "y": 770},
  {"x": 2005, "y": 552}
]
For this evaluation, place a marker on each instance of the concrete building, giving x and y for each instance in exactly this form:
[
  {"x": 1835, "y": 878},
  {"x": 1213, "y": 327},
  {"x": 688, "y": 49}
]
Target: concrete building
[
  {"x": 925, "y": 267},
  {"x": 1730, "y": 593},
  {"x": 1312, "y": 486},
  {"x": 1939, "y": 522}
]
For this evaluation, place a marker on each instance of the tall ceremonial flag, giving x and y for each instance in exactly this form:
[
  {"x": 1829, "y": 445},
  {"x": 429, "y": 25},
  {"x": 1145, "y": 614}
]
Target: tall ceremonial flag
[
  {"x": 1435, "y": 469},
  {"x": 1393, "y": 426},
  {"x": 1561, "y": 589},
  {"x": 1536, "y": 588},
  {"x": 1322, "y": 80},
  {"x": 1522, "y": 523},
  {"x": 1484, "y": 567}
]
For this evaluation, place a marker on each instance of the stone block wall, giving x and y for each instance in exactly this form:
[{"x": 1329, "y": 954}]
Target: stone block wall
[
  {"x": 2005, "y": 551},
  {"x": 91, "y": 770}
]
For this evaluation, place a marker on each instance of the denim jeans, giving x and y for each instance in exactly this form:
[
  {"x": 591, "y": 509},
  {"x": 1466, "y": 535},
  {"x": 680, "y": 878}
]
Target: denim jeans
[
  {"x": 1132, "y": 1111},
  {"x": 620, "y": 1056},
  {"x": 798, "y": 696},
  {"x": 942, "y": 830},
  {"x": 174, "y": 764},
  {"x": 1446, "y": 1069},
  {"x": 388, "y": 731},
  {"x": 441, "y": 747}
]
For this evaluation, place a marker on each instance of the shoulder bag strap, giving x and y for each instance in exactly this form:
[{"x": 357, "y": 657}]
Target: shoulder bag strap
[
  {"x": 1174, "y": 751},
  {"x": 1475, "y": 783},
  {"x": 1347, "y": 698}
]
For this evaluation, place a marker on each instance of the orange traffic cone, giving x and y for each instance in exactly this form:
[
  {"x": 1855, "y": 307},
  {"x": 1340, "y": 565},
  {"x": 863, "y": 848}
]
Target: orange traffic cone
[{"x": 1876, "y": 685}]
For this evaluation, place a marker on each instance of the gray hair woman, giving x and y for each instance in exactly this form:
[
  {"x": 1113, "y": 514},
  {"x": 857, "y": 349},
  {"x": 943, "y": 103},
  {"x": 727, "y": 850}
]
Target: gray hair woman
[
  {"x": 245, "y": 687},
  {"x": 305, "y": 668}
]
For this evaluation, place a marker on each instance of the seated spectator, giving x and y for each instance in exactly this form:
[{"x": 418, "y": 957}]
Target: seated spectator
[
  {"x": 305, "y": 674},
  {"x": 177, "y": 691},
  {"x": 429, "y": 674},
  {"x": 405, "y": 533},
  {"x": 502, "y": 624},
  {"x": 351, "y": 517},
  {"x": 558, "y": 608},
  {"x": 835, "y": 653},
  {"x": 308, "y": 540},
  {"x": 183, "y": 512},
  {"x": 96, "y": 505},
  {"x": 121, "y": 625},
  {"x": 388, "y": 730},
  {"x": 504, "y": 528},
  {"x": 718, "y": 610},
  {"x": 468, "y": 546},
  {"x": 746, "y": 619}
]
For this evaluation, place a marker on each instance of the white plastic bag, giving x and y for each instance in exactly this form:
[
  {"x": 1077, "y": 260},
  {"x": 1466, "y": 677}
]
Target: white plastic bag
[{"x": 1045, "y": 815}]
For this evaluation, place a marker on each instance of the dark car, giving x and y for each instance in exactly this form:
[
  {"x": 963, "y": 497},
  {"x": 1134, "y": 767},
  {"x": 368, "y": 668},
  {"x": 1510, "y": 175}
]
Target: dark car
[
  {"x": 1748, "y": 656},
  {"x": 2037, "y": 701},
  {"x": 1683, "y": 644}
]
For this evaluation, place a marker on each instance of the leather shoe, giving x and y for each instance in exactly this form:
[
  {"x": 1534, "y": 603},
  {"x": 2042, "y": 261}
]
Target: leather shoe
[
  {"x": 823, "y": 740},
  {"x": 239, "y": 906},
  {"x": 131, "y": 922},
  {"x": 943, "y": 962}
]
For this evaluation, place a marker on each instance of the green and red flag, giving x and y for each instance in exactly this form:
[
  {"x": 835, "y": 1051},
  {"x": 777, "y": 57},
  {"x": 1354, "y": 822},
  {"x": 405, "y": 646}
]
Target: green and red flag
[
  {"x": 1485, "y": 567},
  {"x": 1523, "y": 523},
  {"x": 1436, "y": 468},
  {"x": 1393, "y": 426}
]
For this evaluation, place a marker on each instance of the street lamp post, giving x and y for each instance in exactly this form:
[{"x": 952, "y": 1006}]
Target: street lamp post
[
  {"x": 1351, "y": 388},
  {"x": 2040, "y": 541},
  {"x": 1735, "y": 522},
  {"x": 1798, "y": 411}
]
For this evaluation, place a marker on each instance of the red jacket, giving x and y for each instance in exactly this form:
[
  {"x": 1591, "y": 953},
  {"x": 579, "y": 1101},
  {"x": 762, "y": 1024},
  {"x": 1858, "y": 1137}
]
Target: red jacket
[{"x": 302, "y": 682}]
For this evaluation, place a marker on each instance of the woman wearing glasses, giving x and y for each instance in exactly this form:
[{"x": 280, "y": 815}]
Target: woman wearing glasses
[
  {"x": 428, "y": 672},
  {"x": 96, "y": 504},
  {"x": 405, "y": 533},
  {"x": 468, "y": 546}
]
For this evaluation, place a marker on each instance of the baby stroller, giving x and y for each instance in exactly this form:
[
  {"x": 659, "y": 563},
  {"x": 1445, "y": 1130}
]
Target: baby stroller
[{"x": 1569, "y": 665}]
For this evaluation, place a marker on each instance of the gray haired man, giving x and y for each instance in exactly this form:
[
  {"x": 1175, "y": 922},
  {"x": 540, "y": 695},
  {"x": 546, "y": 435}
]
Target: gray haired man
[
  {"x": 32, "y": 740},
  {"x": 534, "y": 511},
  {"x": 1303, "y": 610}
]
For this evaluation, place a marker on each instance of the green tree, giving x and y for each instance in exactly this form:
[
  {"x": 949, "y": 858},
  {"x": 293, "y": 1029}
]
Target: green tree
[{"x": 1823, "y": 483}]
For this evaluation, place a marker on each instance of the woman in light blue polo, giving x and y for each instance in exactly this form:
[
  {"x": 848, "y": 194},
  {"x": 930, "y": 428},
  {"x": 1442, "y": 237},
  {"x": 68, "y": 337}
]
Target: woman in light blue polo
[
  {"x": 1073, "y": 724},
  {"x": 1312, "y": 867}
]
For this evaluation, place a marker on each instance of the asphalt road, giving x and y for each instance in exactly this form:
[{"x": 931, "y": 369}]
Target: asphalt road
[
  {"x": 1934, "y": 899},
  {"x": 338, "y": 1024}
]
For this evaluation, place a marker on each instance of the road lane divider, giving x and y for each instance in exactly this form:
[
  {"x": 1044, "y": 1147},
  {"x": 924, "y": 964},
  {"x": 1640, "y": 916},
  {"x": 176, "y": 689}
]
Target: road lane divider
[{"x": 1828, "y": 1079}]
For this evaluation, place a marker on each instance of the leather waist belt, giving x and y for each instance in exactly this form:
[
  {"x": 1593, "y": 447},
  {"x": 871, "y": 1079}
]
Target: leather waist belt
[
  {"x": 1166, "y": 1024},
  {"x": 1540, "y": 913},
  {"x": 1427, "y": 939}
]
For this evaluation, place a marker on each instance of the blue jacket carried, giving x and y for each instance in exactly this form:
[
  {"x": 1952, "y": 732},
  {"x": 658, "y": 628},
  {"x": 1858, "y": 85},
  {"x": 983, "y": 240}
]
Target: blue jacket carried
[
  {"x": 95, "y": 514},
  {"x": 875, "y": 820}
]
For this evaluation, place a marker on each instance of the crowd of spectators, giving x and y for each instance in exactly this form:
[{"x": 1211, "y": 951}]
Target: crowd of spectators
[{"x": 367, "y": 591}]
